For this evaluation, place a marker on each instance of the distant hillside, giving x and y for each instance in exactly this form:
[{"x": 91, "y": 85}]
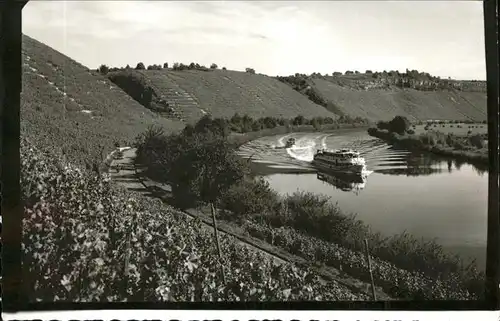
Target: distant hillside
[
  {"x": 67, "y": 107},
  {"x": 381, "y": 96},
  {"x": 190, "y": 94}
]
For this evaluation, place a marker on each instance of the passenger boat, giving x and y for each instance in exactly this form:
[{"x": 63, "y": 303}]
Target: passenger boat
[
  {"x": 339, "y": 161},
  {"x": 290, "y": 142}
]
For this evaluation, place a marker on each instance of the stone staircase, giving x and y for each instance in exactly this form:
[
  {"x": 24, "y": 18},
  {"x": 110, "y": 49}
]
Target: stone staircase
[{"x": 182, "y": 105}]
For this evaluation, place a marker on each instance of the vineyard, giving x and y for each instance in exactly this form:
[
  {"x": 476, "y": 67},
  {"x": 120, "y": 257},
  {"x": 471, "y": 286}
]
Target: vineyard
[
  {"x": 396, "y": 281},
  {"x": 86, "y": 240},
  {"x": 384, "y": 104},
  {"x": 78, "y": 112},
  {"x": 220, "y": 93}
]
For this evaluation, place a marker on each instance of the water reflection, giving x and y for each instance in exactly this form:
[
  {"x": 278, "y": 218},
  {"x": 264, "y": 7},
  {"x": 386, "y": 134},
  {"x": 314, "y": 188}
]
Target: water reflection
[
  {"x": 344, "y": 182},
  {"x": 414, "y": 164}
]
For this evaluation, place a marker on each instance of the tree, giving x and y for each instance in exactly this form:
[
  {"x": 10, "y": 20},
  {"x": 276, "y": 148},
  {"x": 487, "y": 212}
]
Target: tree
[
  {"x": 205, "y": 167},
  {"x": 316, "y": 124},
  {"x": 127, "y": 67},
  {"x": 299, "y": 120},
  {"x": 383, "y": 125},
  {"x": 207, "y": 126},
  {"x": 250, "y": 70},
  {"x": 103, "y": 69},
  {"x": 140, "y": 66},
  {"x": 477, "y": 141},
  {"x": 224, "y": 68},
  {"x": 399, "y": 124},
  {"x": 213, "y": 66},
  {"x": 165, "y": 65}
]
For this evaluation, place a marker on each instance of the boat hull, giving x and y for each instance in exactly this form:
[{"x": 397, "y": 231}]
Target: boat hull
[{"x": 340, "y": 168}]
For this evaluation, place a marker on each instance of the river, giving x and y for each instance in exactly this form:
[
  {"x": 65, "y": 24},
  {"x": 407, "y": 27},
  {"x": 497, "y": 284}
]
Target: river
[{"x": 427, "y": 196}]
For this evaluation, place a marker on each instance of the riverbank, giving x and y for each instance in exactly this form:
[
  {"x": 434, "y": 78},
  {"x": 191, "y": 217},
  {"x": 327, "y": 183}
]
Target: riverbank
[
  {"x": 238, "y": 139},
  {"x": 445, "y": 145}
]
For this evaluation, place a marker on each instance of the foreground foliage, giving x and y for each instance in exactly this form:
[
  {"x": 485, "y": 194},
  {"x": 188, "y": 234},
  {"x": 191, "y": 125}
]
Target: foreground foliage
[
  {"x": 85, "y": 240},
  {"x": 396, "y": 281},
  {"x": 312, "y": 227}
]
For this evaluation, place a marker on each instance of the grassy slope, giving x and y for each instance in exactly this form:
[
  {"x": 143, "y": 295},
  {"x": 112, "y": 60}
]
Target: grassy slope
[
  {"x": 224, "y": 93},
  {"x": 380, "y": 104},
  {"x": 56, "y": 119}
]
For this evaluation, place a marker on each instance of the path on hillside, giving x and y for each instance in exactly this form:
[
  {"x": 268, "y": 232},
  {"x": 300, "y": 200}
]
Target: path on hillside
[{"x": 124, "y": 172}]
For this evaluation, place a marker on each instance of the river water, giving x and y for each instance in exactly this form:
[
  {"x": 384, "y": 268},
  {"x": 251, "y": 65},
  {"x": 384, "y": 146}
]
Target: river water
[{"x": 427, "y": 196}]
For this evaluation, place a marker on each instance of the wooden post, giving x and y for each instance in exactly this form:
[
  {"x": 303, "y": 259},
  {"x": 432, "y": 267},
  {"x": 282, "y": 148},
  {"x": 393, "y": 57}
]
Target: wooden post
[
  {"x": 217, "y": 241},
  {"x": 370, "y": 269}
]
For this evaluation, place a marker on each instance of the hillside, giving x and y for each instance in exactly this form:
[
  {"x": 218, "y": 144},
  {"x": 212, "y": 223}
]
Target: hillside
[
  {"x": 190, "y": 94},
  {"x": 75, "y": 111},
  {"x": 382, "y": 97}
]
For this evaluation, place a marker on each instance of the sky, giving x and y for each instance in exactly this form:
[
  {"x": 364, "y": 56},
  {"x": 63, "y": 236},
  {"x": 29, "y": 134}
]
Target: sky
[{"x": 443, "y": 38}]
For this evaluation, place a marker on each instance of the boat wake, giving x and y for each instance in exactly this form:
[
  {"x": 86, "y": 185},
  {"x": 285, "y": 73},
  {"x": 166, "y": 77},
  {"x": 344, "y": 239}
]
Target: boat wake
[{"x": 304, "y": 148}]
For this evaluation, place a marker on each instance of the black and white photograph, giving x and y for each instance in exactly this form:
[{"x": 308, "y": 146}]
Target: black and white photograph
[{"x": 253, "y": 151}]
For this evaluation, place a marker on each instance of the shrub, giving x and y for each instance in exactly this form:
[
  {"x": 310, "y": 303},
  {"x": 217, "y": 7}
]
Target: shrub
[
  {"x": 165, "y": 65},
  {"x": 249, "y": 197},
  {"x": 399, "y": 124},
  {"x": 383, "y": 125},
  {"x": 250, "y": 70},
  {"x": 476, "y": 141},
  {"x": 103, "y": 69},
  {"x": 299, "y": 120},
  {"x": 140, "y": 66},
  {"x": 213, "y": 66}
]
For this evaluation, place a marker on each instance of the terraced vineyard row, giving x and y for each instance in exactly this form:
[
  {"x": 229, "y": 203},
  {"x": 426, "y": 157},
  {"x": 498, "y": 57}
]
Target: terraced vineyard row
[
  {"x": 384, "y": 104},
  {"x": 193, "y": 94},
  {"x": 66, "y": 106}
]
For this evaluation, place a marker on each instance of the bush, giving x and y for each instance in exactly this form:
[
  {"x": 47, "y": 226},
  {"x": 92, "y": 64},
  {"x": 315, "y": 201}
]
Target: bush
[
  {"x": 476, "y": 141},
  {"x": 250, "y": 70},
  {"x": 140, "y": 66},
  {"x": 103, "y": 69},
  {"x": 213, "y": 66},
  {"x": 250, "y": 198},
  {"x": 399, "y": 124}
]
